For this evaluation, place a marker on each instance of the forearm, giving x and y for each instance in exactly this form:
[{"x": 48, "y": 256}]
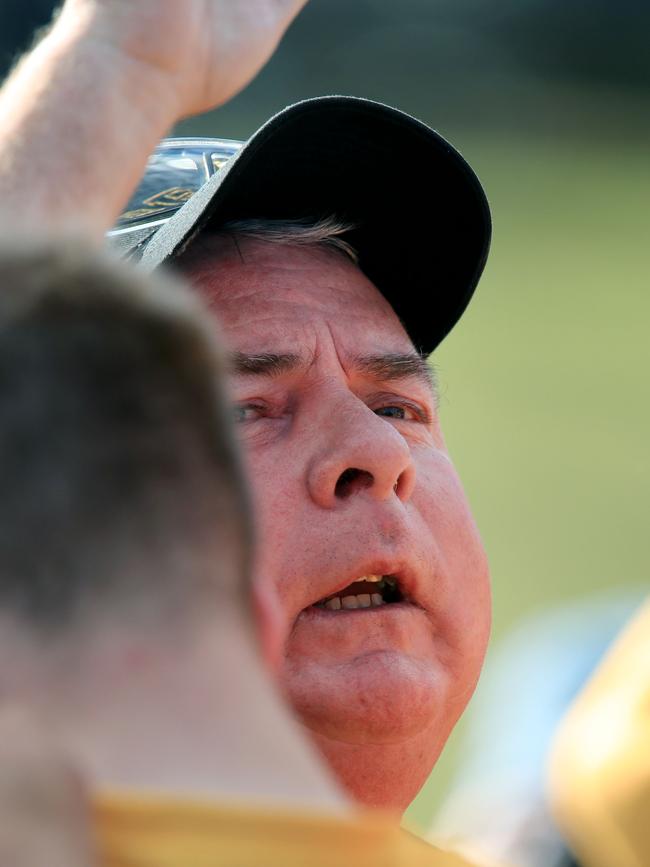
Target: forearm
[
  {"x": 79, "y": 118},
  {"x": 82, "y": 112}
]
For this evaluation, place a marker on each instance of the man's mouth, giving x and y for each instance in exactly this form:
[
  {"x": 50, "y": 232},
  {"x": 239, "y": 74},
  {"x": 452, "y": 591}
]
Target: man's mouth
[{"x": 368, "y": 591}]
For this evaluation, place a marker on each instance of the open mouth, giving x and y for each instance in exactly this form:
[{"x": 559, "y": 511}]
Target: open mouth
[{"x": 369, "y": 591}]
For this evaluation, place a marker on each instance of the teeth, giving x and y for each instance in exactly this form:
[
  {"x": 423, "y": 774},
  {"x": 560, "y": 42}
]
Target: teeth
[{"x": 361, "y": 600}]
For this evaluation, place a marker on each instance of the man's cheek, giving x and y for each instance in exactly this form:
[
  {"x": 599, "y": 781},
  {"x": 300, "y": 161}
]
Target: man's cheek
[
  {"x": 459, "y": 588},
  {"x": 273, "y": 491},
  {"x": 282, "y": 542},
  {"x": 442, "y": 504}
]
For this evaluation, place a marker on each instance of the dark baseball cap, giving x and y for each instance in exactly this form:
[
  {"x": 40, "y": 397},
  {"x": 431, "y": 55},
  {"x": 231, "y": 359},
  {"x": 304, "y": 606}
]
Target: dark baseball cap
[{"x": 421, "y": 218}]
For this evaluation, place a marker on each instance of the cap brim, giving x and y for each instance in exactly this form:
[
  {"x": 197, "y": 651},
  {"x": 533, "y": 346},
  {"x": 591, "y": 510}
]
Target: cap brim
[{"x": 422, "y": 219}]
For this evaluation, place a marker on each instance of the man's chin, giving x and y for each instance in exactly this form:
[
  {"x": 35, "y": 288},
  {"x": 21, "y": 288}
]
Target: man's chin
[{"x": 379, "y": 697}]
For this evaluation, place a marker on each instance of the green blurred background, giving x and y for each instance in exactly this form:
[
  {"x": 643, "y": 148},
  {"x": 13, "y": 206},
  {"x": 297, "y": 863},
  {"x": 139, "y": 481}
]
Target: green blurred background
[{"x": 546, "y": 402}]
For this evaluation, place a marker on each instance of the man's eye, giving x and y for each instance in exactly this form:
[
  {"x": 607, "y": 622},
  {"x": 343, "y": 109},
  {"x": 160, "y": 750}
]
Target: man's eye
[
  {"x": 243, "y": 412},
  {"x": 408, "y": 413},
  {"x": 391, "y": 411}
]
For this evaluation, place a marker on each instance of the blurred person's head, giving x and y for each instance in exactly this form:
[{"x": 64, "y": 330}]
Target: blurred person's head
[
  {"x": 364, "y": 528},
  {"x": 125, "y": 535},
  {"x": 122, "y": 495}
]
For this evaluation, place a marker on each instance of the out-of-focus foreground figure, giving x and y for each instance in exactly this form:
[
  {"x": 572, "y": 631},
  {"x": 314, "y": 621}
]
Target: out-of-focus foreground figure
[
  {"x": 600, "y": 767},
  {"x": 497, "y": 811}
]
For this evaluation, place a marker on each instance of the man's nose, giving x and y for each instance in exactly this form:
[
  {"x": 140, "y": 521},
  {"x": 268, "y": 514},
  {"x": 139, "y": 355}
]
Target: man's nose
[{"x": 360, "y": 452}]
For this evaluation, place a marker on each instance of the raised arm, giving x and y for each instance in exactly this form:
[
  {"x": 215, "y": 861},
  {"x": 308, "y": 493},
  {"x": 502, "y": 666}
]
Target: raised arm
[{"x": 82, "y": 111}]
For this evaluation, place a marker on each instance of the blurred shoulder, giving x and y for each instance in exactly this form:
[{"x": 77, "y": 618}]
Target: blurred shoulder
[{"x": 600, "y": 762}]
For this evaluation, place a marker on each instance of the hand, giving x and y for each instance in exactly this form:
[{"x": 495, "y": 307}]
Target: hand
[
  {"x": 44, "y": 817},
  {"x": 206, "y": 50},
  {"x": 88, "y": 105}
]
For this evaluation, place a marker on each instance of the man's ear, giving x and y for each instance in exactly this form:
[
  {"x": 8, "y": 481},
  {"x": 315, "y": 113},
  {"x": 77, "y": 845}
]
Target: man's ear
[{"x": 270, "y": 622}]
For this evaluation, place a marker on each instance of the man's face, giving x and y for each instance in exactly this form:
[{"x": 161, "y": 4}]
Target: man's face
[{"x": 339, "y": 427}]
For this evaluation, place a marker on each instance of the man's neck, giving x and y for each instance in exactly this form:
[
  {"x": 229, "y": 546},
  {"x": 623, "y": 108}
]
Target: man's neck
[{"x": 200, "y": 718}]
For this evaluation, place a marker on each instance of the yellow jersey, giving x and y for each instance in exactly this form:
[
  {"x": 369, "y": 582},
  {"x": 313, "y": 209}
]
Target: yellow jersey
[{"x": 147, "y": 831}]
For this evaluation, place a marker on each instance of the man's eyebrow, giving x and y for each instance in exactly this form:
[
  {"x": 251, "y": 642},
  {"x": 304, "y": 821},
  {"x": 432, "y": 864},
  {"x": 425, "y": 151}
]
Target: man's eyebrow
[
  {"x": 391, "y": 366},
  {"x": 386, "y": 367},
  {"x": 265, "y": 363}
]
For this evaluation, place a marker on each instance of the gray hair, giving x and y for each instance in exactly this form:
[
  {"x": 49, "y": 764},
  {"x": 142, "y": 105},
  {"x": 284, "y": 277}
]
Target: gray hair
[{"x": 326, "y": 232}]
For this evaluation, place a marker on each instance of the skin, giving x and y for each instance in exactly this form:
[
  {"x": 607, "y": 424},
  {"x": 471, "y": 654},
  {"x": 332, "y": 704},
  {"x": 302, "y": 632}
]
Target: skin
[
  {"x": 379, "y": 690},
  {"x": 111, "y": 78},
  {"x": 40, "y": 789}
]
